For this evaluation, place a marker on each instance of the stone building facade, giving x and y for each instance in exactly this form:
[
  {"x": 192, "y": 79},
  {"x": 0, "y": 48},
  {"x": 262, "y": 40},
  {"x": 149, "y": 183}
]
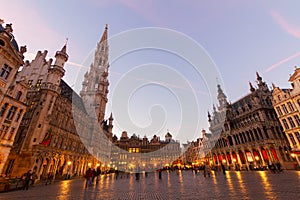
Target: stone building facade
[
  {"x": 59, "y": 134},
  {"x": 287, "y": 106},
  {"x": 12, "y": 91},
  {"x": 247, "y": 133},
  {"x": 135, "y": 153}
]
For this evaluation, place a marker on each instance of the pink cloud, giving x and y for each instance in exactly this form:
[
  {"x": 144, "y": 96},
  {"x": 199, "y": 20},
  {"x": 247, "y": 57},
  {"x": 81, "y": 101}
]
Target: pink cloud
[
  {"x": 30, "y": 29},
  {"x": 282, "y": 61},
  {"x": 285, "y": 25}
]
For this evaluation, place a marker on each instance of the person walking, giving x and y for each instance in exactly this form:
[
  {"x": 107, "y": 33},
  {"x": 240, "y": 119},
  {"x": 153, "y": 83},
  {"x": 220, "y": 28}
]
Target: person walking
[{"x": 88, "y": 177}]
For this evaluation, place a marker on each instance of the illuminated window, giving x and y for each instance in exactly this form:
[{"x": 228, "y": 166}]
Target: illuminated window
[
  {"x": 296, "y": 117},
  {"x": 279, "y": 111},
  {"x": 290, "y": 106},
  {"x": 29, "y": 83},
  {"x": 292, "y": 139},
  {"x": 291, "y": 122},
  {"x": 38, "y": 83},
  {"x": 285, "y": 109},
  {"x": 32, "y": 104}
]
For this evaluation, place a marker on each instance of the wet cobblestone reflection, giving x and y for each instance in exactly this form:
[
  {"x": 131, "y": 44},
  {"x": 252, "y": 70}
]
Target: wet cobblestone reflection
[{"x": 184, "y": 185}]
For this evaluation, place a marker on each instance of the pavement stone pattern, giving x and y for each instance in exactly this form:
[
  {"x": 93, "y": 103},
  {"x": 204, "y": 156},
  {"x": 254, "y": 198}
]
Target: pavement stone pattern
[{"x": 183, "y": 185}]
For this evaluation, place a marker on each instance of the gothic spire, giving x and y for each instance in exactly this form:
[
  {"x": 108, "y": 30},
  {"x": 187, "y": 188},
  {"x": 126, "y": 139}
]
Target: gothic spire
[
  {"x": 222, "y": 98},
  {"x": 104, "y": 35},
  {"x": 258, "y": 77}
]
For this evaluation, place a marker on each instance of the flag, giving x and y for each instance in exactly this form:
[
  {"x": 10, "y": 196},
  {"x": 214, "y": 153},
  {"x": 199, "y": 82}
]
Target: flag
[{"x": 47, "y": 138}]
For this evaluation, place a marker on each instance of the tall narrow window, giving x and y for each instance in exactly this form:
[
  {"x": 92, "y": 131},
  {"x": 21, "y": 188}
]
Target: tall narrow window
[
  {"x": 297, "y": 119},
  {"x": 286, "y": 126},
  {"x": 297, "y": 136},
  {"x": 285, "y": 109},
  {"x": 12, "y": 131},
  {"x": 292, "y": 139},
  {"x": 11, "y": 113},
  {"x": 19, "y": 115},
  {"x": 278, "y": 110},
  {"x": 290, "y": 106},
  {"x": 5, "y": 71},
  {"x": 3, "y": 109},
  {"x": 291, "y": 122}
]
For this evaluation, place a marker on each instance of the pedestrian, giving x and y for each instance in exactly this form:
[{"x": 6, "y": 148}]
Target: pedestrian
[
  {"x": 278, "y": 166},
  {"x": 94, "y": 174},
  {"x": 88, "y": 177},
  {"x": 117, "y": 173},
  {"x": 207, "y": 170},
  {"x": 98, "y": 174},
  {"x": 28, "y": 178},
  {"x": 223, "y": 168},
  {"x": 159, "y": 173}
]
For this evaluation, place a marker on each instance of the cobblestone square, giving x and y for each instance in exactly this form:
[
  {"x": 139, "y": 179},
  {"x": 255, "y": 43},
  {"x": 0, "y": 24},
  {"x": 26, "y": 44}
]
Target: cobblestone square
[{"x": 182, "y": 185}]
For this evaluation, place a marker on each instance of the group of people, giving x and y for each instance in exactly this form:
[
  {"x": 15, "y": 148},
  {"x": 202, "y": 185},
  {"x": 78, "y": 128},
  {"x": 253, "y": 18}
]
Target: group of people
[{"x": 90, "y": 176}]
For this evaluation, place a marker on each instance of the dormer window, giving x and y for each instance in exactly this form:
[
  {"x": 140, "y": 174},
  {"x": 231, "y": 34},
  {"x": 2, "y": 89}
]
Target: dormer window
[{"x": 279, "y": 98}]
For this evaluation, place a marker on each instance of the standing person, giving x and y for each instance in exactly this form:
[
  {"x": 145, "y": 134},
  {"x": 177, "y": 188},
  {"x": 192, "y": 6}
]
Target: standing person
[
  {"x": 93, "y": 175},
  {"x": 223, "y": 168},
  {"x": 88, "y": 177},
  {"x": 98, "y": 174},
  {"x": 117, "y": 173},
  {"x": 159, "y": 173},
  {"x": 28, "y": 178}
]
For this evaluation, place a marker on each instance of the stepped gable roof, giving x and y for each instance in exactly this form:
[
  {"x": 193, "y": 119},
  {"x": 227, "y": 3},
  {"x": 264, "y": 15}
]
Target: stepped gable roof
[{"x": 68, "y": 93}]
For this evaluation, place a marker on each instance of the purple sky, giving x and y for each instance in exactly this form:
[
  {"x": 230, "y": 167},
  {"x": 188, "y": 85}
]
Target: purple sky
[{"x": 241, "y": 37}]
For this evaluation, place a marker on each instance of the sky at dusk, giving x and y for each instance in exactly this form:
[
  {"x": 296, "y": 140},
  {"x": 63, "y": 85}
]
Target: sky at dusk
[{"x": 241, "y": 37}]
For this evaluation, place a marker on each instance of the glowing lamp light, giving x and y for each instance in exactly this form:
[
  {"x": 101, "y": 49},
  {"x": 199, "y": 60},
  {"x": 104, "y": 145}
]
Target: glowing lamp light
[
  {"x": 234, "y": 160},
  {"x": 224, "y": 161},
  {"x": 69, "y": 163},
  {"x": 256, "y": 158},
  {"x": 97, "y": 164},
  {"x": 293, "y": 155},
  {"x": 89, "y": 164}
]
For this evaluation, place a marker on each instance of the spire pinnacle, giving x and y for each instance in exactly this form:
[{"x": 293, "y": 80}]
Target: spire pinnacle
[
  {"x": 252, "y": 89},
  {"x": 259, "y": 78},
  {"x": 274, "y": 86},
  {"x": 104, "y": 35}
]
